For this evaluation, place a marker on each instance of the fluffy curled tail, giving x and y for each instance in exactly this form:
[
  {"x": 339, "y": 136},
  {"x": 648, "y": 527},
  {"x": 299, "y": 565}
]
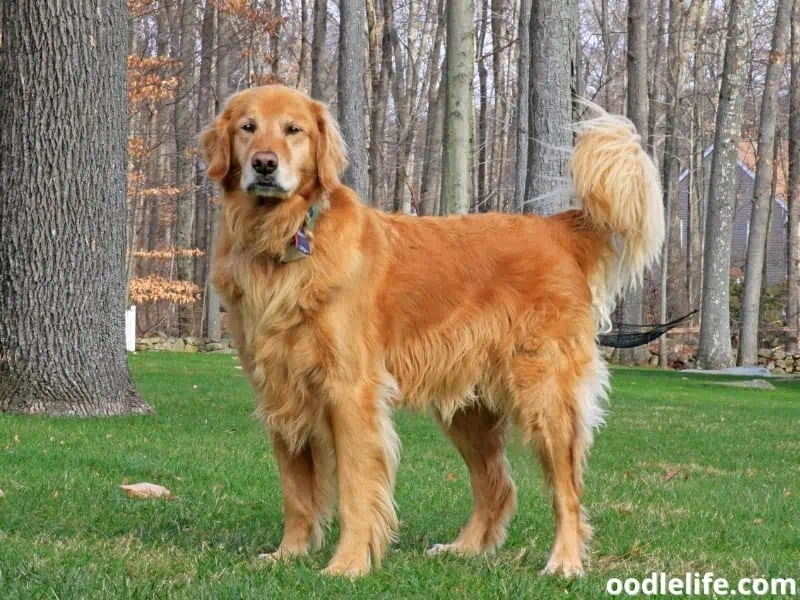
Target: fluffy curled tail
[{"x": 618, "y": 188}]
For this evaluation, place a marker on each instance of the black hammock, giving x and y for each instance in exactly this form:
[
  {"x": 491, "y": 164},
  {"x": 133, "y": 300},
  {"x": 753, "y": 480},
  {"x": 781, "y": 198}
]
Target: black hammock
[{"x": 625, "y": 335}]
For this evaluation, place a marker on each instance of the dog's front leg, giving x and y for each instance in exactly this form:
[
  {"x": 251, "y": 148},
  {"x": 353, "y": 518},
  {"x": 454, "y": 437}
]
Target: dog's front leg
[
  {"x": 367, "y": 453},
  {"x": 307, "y": 481}
]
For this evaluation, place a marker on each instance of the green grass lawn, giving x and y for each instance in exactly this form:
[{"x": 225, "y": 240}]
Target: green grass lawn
[{"x": 67, "y": 531}]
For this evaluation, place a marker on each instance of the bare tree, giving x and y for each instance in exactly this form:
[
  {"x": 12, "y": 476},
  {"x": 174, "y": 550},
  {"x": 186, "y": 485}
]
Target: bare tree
[
  {"x": 456, "y": 154},
  {"x": 681, "y": 22},
  {"x": 222, "y": 91},
  {"x": 352, "y": 51},
  {"x": 523, "y": 104},
  {"x": 715, "y": 350},
  {"x": 318, "y": 71},
  {"x": 759, "y": 218},
  {"x": 637, "y": 113},
  {"x": 553, "y": 32},
  {"x": 184, "y": 125},
  {"x": 62, "y": 210},
  {"x": 793, "y": 245}
]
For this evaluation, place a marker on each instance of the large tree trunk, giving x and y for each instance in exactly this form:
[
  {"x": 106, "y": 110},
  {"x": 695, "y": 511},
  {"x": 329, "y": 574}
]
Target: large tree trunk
[
  {"x": 759, "y": 218},
  {"x": 63, "y": 146},
  {"x": 715, "y": 350},
  {"x": 793, "y": 245},
  {"x": 637, "y": 112},
  {"x": 457, "y": 139},
  {"x": 318, "y": 71},
  {"x": 553, "y": 31},
  {"x": 352, "y": 50},
  {"x": 184, "y": 139},
  {"x": 523, "y": 104}
]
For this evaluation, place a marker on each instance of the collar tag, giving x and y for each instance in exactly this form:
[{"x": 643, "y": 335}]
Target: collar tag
[{"x": 301, "y": 242}]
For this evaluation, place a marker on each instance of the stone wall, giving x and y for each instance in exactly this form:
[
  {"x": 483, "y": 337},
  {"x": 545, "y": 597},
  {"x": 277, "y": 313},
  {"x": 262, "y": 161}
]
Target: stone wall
[
  {"x": 161, "y": 343},
  {"x": 679, "y": 356}
]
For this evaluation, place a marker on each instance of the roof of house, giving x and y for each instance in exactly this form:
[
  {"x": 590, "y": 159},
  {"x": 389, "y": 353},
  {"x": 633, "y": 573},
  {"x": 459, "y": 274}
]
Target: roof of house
[{"x": 747, "y": 162}]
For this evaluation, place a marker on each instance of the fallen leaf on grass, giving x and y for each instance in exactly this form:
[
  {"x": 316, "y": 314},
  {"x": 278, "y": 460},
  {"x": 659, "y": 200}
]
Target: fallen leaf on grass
[
  {"x": 16, "y": 438},
  {"x": 787, "y": 493},
  {"x": 146, "y": 491},
  {"x": 451, "y": 477},
  {"x": 758, "y": 521},
  {"x": 671, "y": 473},
  {"x": 2, "y": 494}
]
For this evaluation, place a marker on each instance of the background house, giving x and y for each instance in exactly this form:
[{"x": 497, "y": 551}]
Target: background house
[{"x": 745, "y": 181}]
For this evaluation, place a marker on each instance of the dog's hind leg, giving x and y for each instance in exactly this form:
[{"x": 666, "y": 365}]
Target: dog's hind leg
[
  {"x": 307, "y": 481},
  {"x": 557, "y": 405},
  {"x": 480, "y": 437},
  {"x": 367, "y": 454}
]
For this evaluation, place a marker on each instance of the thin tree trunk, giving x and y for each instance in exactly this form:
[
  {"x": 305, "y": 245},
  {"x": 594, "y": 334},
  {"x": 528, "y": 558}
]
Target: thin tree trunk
[
  {"x": 301, "y": 62},
  {"x": 497, "y": 160},
  {"x": 714, "y": 350},
  {"x": 62, "y": 209},
  {"x": 751, "y": 295},
  {"x": 793, "y": 231},
  {"x": 318, "y": 70},
  {"x": 204, "y": 115},
  {"x": 223, "y": 90},
  {"x": 275, "y": 39},
  {"x": 637, "y": 112},
  {"x": 431, "y": 166},
  {"x": 523, "y": 104},
  {"x": 553, "y": 32},
  {"x": 657, "y": 83},
  {"x": 380, "y": 53},
  {"x": 352, "y": 51},
  {"x": 483, "y": 86},
  {"x": 457, "y": 139},
  {"x": 184, "y": 138},
  {"x": 606, "y": 36}
]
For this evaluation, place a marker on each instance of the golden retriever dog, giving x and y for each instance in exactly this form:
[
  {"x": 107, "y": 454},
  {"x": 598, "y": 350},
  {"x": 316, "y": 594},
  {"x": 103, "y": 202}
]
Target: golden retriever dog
[{"x": 342, "y": 313}]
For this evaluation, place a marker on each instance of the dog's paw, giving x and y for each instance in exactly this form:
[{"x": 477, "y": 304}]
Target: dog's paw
[
  {"x": 438, "y": 549},
  {"x": 350, "y": 570},
  {"x": 564, "y": 568},
  {"x": 279, "y": 555}
]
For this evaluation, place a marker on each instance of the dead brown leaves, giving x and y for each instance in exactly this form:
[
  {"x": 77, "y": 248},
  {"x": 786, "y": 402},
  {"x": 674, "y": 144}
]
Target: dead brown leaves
[{"x": 147, "y": 491}]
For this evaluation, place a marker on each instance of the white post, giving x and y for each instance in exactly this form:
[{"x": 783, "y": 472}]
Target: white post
[{"x": 130, "y": 329}]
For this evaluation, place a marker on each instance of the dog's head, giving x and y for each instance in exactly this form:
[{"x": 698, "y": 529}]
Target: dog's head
[{"x": 272, "y": 142}]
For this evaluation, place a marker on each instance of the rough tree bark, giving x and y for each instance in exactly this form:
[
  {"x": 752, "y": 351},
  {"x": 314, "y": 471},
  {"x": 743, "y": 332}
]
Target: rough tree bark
[
  {"x": 483, "y": 109},
  {"x": 379, "y": 28},
  {"x": 637, "y": 112},
  {"x": 184, "y": 125},
  {"x": 431, "y": 184},
  {"x": 759, "y": 217},
  {"x": 656, "y": 87},
  {"x": 318, "y": 71},
  {"x": 523, "y": 104},
  {"x": 202, "y": 185},
  {"x": 793, "y": 245},
  {"x": 553, "y": 31},
  {"x": 714, "y": 349},
  {"x": 457, "y": 139},
  {"x": 681, "y": 22},
  {"x": 352, "y": 51},
  {"x": 223, "y": 90},
  {"x": 63, "y": 147},
  {"x": 497, "y": 160}
]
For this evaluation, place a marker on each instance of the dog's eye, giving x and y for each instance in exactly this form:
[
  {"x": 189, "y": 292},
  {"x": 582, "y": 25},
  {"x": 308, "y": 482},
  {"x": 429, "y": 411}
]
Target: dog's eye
[
  {"x": 249, "y": 127},
  {"x": 292, "y": 129}
]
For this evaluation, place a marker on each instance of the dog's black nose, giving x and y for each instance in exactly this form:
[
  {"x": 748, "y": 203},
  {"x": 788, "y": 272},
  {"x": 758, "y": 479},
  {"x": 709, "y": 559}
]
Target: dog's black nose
[{"x": 265, "y": 163}]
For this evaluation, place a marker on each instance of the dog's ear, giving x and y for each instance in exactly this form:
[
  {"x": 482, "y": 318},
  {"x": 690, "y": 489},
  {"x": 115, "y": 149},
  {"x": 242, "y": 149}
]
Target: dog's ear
[
  {"x": 216, "y": 143},
  {"x": 331, "y": 150}
]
